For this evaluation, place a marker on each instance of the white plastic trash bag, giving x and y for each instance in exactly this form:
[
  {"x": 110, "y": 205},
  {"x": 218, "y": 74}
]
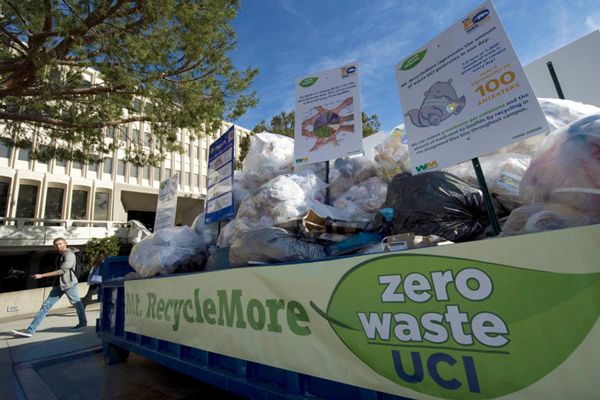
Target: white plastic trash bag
[
  {"x": 161, "y": 252},
  {"x": 270, "y": 155},
  {"x": 362, "y": 201},
  {"x": 208, "y": 233}
]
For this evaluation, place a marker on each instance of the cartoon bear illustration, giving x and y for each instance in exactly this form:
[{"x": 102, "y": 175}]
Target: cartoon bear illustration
[{"x": 440, "y": 102}]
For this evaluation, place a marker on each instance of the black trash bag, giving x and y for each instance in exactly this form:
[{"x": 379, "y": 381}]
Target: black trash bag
[
  {"x": 218, "y": 260},
  {"x": 272, "y": 245},
  {"x": 195, "y": 263},
  {"x": 434, "y": 203}
]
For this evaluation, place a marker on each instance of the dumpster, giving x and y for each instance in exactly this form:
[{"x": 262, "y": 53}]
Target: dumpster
[{"x": 513, "y": 317}]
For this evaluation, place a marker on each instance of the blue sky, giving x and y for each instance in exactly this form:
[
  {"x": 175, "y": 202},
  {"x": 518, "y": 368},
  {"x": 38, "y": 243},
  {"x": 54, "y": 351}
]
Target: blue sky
[{"x": 290, "y": 39}]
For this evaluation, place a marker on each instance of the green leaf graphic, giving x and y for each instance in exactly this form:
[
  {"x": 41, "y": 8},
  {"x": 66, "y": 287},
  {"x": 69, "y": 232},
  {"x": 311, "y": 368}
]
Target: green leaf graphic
[
  {"x": 307, "y": 82},
  {"x": 546, "y": 316},
  {"x": 413, "y": 60}
]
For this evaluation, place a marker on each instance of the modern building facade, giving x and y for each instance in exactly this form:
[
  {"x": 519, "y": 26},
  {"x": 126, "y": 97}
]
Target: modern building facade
[{"x": 36, "y": 195}]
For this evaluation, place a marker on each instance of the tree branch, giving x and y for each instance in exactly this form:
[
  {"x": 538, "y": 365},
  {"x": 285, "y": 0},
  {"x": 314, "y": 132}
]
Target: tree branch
[
  {"x": 78, "y": 91},
  {"x": 18, "y": 14},
  {"x": 58, "y": 122}
]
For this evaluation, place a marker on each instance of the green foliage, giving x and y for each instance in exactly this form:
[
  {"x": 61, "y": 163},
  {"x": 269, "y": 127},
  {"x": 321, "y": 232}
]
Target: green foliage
[
  {"x": 161, "y": 62},
  {"x": 370, "y": 124},
  {"x": 109, "y": 245},
  {"x": 244, "y": 147},
  {"x": 282, "y": 124}
]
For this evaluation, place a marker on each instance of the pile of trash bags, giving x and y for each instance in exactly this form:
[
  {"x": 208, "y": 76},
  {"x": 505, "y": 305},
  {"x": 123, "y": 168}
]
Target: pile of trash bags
[{"x": 370, "y": 204}]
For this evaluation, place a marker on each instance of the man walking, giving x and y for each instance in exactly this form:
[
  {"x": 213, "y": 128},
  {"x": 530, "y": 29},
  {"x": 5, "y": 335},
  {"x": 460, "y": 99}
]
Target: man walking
[{"x": 64, "y": 283}]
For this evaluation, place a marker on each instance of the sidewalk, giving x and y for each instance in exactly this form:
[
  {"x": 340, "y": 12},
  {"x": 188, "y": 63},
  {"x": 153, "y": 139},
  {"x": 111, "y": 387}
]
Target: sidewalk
[{"x": 18, "y": 356}]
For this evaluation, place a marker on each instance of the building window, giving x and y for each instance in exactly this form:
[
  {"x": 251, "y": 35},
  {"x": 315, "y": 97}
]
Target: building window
[
  {"x": 77, "y": 165},
  {"x": 195, "y": 154},
  {"x": 107, "y": 168},
  {"x": 122, "y": 133},
  {"x": 93, "y": 167},
  {"x": 61, "y": 163},
  {"x": 27, "y": 201},
  {"x": 156, "y": 174},
  {"x": 4, "y": 150},
  {"x": 187, "y": 179},
  {"x": 146, "y": 172},
  {"x": 110, "y": 132},
  {"x": 79, "y": 204},
  {"x": 135, "y": 136},
  {"x": 205, "y": 180},
  {"x": 133, "y": 171},
  {"x": 147, "y": 139},
  {"x": 121, "y": 168},
  {"x": 167, "y": 173},
  {"x": 54, "y": 203},
  {"x": 25, "y": 154},
  {"x": 137, "y": 105},
  {"x": 4, "y": 186},
  {"x": 101, "y": 207},
  {"x": 197, "y": 180}
]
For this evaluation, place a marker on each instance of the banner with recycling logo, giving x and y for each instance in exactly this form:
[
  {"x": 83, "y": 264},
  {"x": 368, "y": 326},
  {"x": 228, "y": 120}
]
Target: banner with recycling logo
[{"x": 511, "y": 318}]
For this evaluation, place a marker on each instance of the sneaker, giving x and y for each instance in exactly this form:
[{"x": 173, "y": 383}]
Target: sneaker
[
  {"x": 22, "y": 332},
  {"x": 77, "y": 328}
]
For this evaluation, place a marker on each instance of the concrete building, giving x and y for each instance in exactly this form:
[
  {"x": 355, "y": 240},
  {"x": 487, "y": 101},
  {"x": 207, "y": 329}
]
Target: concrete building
[{"x": 40, "y": 201}]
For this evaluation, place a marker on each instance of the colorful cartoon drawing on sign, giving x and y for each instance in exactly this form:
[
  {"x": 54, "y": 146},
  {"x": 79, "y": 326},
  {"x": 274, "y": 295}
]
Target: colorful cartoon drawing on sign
[
  {"x": 441, "y": 101},
  {"x": 327, "y": 124},
  {"x": 461, "y": 329}
]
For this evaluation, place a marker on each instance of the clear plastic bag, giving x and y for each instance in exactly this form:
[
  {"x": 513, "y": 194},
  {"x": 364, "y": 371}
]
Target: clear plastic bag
[
  {"x": 393, "y": 154},
  {"x": 362, "y": 201},
  {"x": 163, "y": 251},
  {"x": 270, "y": 155},
  {"x": 207, "y": 233},
  {"x": 503, "y": 174},
  {"x": 540, "y": 217},
  {"x": 566, "y": 168},
  {"x": 349, "y": 171},
  {"x": 277, "y": 201}
]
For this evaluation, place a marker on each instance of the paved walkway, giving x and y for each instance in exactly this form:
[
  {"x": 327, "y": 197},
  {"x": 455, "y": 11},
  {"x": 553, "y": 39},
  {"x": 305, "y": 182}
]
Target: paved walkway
[{"x": 18, "y": 377}]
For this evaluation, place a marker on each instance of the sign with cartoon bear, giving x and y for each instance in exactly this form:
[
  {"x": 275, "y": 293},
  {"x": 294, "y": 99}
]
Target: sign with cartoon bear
[{"x": 465, "y": 94}]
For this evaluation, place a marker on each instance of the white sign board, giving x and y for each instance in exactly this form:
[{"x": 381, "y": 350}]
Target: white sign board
[
  {"x": 465, "y": 94},
  {"x": 167, "y": 203},
  {"x": 328, "y": 121}
]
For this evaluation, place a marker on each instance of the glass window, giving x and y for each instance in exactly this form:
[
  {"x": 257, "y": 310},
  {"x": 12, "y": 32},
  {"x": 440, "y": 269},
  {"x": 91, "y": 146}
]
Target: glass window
[
  {"x": 79, "y": 204},
  {"x": 122, "y": 133},
  {"x": 27, "y": 201},
  {"x": 148, "y": 106},
  {"x": 190, "y": 149},
  {"x": 101, "y": 207},
  {"x": 147, "y": 139},
  {"x": 137, "y": 104},
  {"x": 54, "y": 203},
  {"x": 4, "y": 186},
  {"x": 146, "y": 172},
  {"x": 156, "y": 173},
  {"x": 77, "y": 165},
  {"x": 86, "y": 83},
  {"x": 108, "y": 167},
  {"x": 110, "y": 132},
  {"x": 205, "y": 180},
  {"x": 93, "y": 167},
  {"x": 167, "y": 173},
  {"x": 196, "y": 180},
  {"x": 133, "y": 171},
  {"x": 25, "y": 154},
  {"x": 121, "y": 168},
  {"x": 61, "y": 163},
  {"x": 187, "y": 179},
  {"x": 195, "y": 154},
  {"x": 4, "y": 150}
]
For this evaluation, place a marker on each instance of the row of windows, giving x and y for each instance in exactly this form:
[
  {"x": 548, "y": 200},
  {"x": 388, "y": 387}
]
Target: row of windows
[{"x": 54, "y": 207}]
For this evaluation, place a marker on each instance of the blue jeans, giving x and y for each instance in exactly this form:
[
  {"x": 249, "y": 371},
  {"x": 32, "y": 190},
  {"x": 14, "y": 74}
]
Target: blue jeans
[{"x": 55, "y": 294}]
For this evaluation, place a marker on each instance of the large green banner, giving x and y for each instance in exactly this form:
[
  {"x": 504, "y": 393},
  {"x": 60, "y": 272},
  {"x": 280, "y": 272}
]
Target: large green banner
[{"x": 514, "y": 317}]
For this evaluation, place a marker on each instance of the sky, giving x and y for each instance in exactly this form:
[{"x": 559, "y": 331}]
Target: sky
[{"x": 291, "y": 39}]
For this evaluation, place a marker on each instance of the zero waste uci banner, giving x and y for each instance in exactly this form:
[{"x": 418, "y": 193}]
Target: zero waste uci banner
[{"x": 510, "y": 318}]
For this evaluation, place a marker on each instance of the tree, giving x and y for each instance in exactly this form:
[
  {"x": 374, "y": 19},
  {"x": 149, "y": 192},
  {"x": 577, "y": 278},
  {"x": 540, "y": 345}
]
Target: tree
[
  {"x": 370, "y": 124},
  {"x": 283, "y": 124},
  {"x": 163, "y": 62}
]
